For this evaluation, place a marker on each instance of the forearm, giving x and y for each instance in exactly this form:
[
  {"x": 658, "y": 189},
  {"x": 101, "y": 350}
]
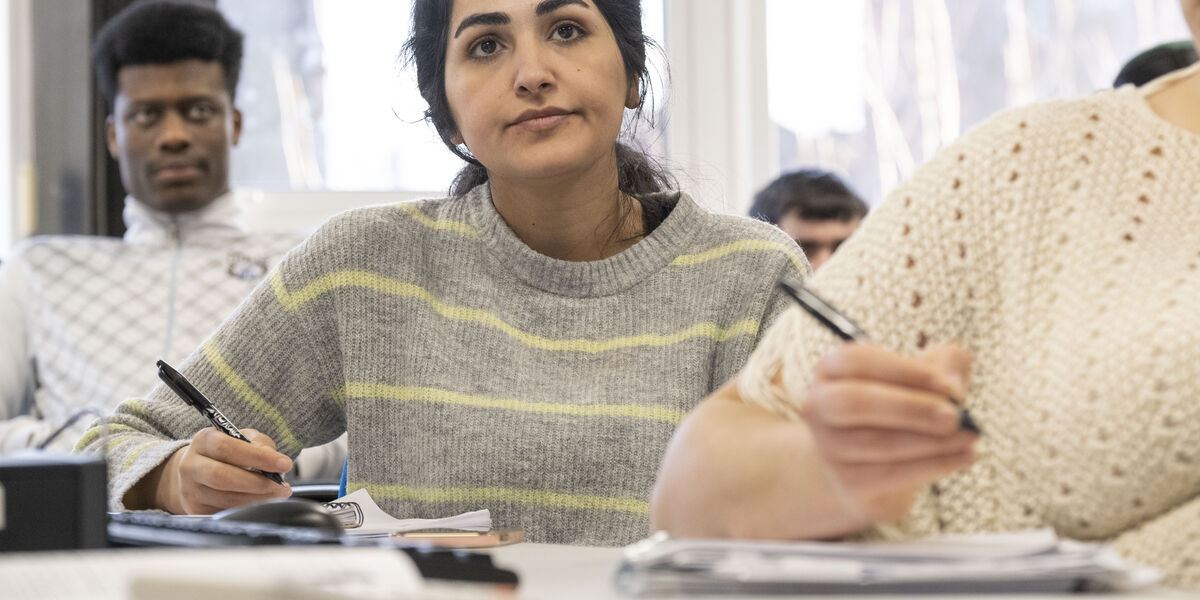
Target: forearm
[
  {"x": 736, "y": 470},
  {"x": 28, "y": 431},
  {"x": 24, "y": 431},
  {"x": 16, "y": 365}
]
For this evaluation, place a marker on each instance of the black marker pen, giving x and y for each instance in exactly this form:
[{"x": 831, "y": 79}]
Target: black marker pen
[
  {"x": 192, "y": 396},
  {"x": 848, "y": 330}
]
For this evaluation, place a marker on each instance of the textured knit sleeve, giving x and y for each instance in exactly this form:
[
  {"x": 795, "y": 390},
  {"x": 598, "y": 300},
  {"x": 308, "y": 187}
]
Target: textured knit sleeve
[
  {"x": 914, "y": 273},
  {"x": 266, "y": 368},
  {"x": 949, "y": 257},
  {"x": 1170, "y": 542}
]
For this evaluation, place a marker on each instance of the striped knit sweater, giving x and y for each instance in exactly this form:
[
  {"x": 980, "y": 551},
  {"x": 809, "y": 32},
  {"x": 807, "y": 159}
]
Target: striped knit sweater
[
  {"x": 1060, "y": 244},
  {"x": 472, "y": 372}
]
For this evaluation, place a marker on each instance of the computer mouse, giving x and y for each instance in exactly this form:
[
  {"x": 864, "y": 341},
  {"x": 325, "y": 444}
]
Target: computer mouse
[{"x": 287, "y": 512}]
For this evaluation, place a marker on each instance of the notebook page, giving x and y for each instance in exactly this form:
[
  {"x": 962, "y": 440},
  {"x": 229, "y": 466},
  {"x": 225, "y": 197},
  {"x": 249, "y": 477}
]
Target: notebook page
[{"x": 374, "y": 521}]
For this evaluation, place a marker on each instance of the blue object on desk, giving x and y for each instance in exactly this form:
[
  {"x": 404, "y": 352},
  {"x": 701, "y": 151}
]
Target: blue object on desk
[{"x": 342, "y": 481}]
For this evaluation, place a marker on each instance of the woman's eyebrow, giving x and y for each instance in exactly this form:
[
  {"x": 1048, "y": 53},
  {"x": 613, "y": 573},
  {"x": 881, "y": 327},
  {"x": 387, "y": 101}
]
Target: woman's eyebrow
[
  {"x": 549, "y": 6},
  {"x": 498, "y": 18},
  {"x": 492, "y": 18}
]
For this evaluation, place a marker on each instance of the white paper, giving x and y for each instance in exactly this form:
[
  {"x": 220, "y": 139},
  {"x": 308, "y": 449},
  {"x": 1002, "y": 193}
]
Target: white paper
[
  {"x": 1021, "y": 556},
  {"x": 376, "y": 522}
]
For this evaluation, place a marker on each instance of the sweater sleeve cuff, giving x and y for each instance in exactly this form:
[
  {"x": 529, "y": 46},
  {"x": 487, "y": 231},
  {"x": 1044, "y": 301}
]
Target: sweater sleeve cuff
[{"x": 124, "y": 473}]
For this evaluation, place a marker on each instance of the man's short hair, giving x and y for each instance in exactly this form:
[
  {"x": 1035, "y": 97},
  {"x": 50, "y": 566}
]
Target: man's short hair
[
  {"x": 813, "y": 194},
  {"x": 1156, "y": 62},
  {"x": 163, "y": 32}
]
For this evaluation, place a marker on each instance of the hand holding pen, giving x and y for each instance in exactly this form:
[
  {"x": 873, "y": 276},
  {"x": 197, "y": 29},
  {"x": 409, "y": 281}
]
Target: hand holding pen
[
  {"x": 223, "y": 466},
  {"x": 884, "y": 425},
  {"x": 845, "y": 328}
]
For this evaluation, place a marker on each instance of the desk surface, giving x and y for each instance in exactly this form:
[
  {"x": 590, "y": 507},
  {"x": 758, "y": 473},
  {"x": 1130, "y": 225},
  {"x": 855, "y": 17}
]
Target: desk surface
[{"x": 553, "y": 572}]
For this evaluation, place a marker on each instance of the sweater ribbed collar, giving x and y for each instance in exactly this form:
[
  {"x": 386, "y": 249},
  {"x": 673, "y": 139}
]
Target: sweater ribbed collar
[{"x": 588, "y": 279}]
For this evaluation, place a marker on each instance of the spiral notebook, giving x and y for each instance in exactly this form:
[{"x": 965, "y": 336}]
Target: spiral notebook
[
  {"x": 361, "y": 517},
  {"x": 1035, "y": 561}
]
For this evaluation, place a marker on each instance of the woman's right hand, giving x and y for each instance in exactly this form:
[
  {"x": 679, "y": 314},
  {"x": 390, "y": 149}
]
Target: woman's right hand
[
  {"x": 212, "y": 473},
  {"x": 883, "y": 427}
]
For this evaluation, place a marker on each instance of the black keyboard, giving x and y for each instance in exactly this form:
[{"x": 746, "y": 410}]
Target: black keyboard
[
  {"x": 160, "y": 529},
  {"x": 130, "y": 529}
]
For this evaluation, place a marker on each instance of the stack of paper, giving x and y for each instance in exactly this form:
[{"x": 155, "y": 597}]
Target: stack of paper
[
  {"x": 1027, "y": 561},
  {"x": 363, "y": 518}
]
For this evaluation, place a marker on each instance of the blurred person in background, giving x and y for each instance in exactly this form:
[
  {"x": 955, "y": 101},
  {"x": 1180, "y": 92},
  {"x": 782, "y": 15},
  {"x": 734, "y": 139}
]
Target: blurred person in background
[
  {"x": 1156, "y": 62},
  {"x": 86, "y": 317},
  {"x": 814, "y": 207}
]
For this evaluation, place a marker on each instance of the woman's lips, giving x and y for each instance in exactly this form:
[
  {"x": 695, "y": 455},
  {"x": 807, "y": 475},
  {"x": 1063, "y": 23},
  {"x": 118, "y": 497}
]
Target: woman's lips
[{"x": 542, "y": 123}]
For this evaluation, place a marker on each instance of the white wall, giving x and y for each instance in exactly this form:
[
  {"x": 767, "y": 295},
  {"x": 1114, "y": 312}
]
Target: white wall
[{"x": 719, "y": 133}]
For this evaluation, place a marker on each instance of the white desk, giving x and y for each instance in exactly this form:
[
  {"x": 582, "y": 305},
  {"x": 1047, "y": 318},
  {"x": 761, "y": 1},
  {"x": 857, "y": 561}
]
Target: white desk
[
  {"x": 547, "y": 572},
  {"x": 553, "y": 572}
]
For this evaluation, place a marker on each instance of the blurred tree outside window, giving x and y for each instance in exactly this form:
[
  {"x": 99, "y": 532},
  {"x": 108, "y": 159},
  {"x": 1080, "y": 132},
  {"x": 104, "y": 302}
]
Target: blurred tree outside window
[{"x": 873, "y": 88}]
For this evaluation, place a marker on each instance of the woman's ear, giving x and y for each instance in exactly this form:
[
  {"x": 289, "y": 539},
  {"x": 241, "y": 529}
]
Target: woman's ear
[
  {"x": 634, "y": 98},
  {"x": 457, "y": 139}
]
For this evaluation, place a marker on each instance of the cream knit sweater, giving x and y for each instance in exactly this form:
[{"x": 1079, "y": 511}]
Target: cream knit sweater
[{"x": 1060, "y": 244}]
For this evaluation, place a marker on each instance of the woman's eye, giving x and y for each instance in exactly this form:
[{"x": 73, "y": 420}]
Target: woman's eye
[
  {"x": 485, "y": 48},
  {"x": 566, "y": 32}
]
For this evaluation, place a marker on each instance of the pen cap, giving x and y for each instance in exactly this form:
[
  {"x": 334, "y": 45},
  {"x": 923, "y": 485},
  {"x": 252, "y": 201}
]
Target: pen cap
[{"x": 180, "y": 386}]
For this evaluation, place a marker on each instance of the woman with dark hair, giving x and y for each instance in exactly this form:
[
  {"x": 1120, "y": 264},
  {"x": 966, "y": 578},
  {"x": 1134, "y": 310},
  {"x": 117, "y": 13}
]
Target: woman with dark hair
[{"x": 526, "y": 345}]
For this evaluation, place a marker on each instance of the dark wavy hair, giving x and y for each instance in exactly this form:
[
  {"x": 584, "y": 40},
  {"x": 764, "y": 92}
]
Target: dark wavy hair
[
  {"x": 812, "y": 194},
  {"x": 164, "y": 32},
  {"x": 637, "y": 173}
]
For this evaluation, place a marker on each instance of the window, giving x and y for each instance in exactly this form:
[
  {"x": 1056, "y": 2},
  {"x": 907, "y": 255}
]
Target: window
[
  {"x": 328, "y": 105},
  {"x": 872, "y": 88}
]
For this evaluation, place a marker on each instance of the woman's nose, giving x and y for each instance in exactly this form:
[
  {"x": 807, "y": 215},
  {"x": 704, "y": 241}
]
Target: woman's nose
[{"x": 533, "y": 74}]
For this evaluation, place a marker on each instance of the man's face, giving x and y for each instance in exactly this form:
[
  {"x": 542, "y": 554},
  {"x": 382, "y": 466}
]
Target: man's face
[
  {"x": 171, "y": 131},
  {"x": 818, "y": 239}
]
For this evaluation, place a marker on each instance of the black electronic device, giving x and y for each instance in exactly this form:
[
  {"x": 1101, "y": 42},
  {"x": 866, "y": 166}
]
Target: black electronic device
[
  {"x": 131, "y": 529},
  {"x": 52, "y": 501},
  {"x": 160, "y": 529},
  {"x": 287, "y": 512}
]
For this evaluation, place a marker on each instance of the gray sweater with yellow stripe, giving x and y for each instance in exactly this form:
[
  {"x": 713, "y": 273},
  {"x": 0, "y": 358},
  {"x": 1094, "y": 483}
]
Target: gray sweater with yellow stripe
[{"x": 472, "y": 372}]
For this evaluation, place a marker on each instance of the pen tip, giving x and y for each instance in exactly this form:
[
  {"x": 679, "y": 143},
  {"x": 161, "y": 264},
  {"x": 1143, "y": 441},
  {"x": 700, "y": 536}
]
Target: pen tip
[{"x": 967, "y": 423}]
